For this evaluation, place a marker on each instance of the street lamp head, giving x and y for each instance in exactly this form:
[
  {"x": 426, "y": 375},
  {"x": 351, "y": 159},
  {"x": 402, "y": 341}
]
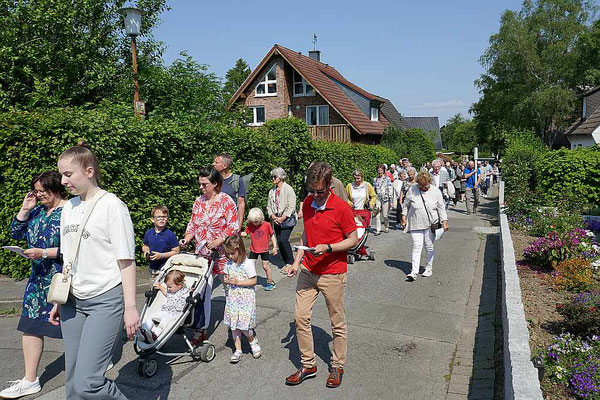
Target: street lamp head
[{"x": 133, "y": 20}]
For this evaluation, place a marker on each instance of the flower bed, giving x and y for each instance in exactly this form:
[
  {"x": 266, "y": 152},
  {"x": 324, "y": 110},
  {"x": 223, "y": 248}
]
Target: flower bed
[{"x": 557, "y": 317}]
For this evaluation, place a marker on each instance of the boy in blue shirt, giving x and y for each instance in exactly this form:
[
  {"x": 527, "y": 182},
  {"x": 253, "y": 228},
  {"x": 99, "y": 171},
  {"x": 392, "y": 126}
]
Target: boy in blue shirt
[{"x": 160, "y": 243}]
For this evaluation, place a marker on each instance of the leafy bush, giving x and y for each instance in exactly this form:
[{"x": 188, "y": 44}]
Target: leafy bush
[
  {"x": 546, "y": 252},
  {"x": 575, "y": 275},
  {"x": 582, "y": 314},
  {"x": 571, "y": 175},
  {"x": 575, "y": 362},
  {"x": 156, "y": 161},
  {"x": 554, "y": 219},
  {"x": 414, "y": 144}
]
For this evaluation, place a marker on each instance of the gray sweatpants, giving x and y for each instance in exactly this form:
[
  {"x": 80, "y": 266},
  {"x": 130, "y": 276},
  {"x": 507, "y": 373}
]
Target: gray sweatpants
[{"x": 89, "y": 329}]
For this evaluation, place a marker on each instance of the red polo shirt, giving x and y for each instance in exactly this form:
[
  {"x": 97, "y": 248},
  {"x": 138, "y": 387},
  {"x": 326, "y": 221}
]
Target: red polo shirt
[{"x": 331, "y": 225}]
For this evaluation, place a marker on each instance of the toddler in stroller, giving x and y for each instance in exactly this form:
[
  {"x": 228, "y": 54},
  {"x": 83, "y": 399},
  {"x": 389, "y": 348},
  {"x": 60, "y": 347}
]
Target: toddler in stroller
[
  {"x": 363, "y": 221},
  {"x": 176, "y": 294}
]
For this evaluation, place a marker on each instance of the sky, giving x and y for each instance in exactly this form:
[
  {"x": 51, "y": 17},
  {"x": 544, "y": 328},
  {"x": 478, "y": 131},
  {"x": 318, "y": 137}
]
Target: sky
[{"x": 422, "y": 55}]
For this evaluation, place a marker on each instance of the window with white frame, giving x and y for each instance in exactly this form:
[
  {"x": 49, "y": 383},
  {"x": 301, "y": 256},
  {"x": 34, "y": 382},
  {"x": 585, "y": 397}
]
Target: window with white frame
[
  {"x": 374, "y": 114},
  {"x": 301, "y": 87},
  {"x": 317, "y": 115},
  {"x": 268, "y": 85},
  {"x": 258, "y": 115}
]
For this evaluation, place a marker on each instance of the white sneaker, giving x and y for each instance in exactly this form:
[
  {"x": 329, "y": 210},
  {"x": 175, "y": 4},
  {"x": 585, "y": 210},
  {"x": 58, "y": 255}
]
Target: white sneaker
[
  {"x": 236, "y": 357},
  {"x": 411, "y": 277},
  {"x": 20, "y": 388},
  {"x": 427, "y": 272},
  {"x": 256, "y": 351}
]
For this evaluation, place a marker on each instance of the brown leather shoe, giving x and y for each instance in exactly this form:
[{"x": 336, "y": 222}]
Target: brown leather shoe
[
  {"x": 301, "y": 375},
  {"x": 335, "y": 377}
]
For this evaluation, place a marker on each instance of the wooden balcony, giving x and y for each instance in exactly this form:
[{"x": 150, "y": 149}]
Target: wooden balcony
[{"x": 332, "y": 133}]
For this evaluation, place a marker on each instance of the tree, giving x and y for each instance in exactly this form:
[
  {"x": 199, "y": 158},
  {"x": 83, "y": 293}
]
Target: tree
[
  {"x": 459, "y": 134},
  {"x": 533, "y": 67},
  {"x": 235, "y": 77},
  {"x": 413, "y": 144},
  {"x": 68, "y": 52}
]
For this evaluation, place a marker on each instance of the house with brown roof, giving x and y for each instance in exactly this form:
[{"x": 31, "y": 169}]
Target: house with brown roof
[
  {"x": 287, "y": 83},
  {"x": 585, "y": 131}
]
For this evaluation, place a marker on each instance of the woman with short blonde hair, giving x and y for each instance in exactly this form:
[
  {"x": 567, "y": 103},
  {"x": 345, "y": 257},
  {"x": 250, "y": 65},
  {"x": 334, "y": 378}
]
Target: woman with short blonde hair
[{"x": 423, "y": 206}]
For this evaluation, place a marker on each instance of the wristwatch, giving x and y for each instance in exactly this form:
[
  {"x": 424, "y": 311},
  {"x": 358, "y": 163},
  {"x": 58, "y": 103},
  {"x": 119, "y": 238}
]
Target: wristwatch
[
  {"x": 44, "y": 254},
  {"x": 329, "y": 249}
]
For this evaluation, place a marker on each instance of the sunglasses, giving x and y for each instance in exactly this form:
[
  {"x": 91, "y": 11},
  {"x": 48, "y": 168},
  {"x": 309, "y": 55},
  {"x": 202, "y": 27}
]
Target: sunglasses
[{"x": 313, "y": 191}]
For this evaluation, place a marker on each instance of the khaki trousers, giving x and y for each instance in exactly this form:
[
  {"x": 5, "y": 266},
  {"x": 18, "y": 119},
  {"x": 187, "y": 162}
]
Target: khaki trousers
[
  {"x": 472, "y": 199},
  {"x": 307, "y": 289}
]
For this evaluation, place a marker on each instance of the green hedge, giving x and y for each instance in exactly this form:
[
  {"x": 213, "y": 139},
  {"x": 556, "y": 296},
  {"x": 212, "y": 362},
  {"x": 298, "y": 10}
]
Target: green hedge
[
  {"x": 573, "y": 175},
  {"x": 536, "y": 176},
  {"x": 156, "y": 161}
]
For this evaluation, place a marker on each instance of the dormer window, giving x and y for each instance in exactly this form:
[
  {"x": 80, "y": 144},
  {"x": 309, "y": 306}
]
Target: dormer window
[
  {"x": 374, "y": 113},
  {"x": 301, "y": 87},
  {"x": 268, "y": 85}
]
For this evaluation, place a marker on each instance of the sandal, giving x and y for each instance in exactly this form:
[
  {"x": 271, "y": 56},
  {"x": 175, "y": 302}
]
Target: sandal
[{"x": 285, "y": 268}]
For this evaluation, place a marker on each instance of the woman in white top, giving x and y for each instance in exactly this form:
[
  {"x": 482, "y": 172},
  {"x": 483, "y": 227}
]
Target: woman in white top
[
  {"x": 103, "y": 277},
  {"x": 423, "y": 205}
]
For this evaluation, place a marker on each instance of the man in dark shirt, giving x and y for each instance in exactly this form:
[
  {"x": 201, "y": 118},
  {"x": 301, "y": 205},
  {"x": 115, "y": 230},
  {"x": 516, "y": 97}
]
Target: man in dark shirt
[{"x": 222, "y": 163}]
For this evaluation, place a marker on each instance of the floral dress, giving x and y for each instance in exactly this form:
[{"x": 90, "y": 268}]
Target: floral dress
[
  {"x": 42, "y": 232},
  {"x": 210, "y": 222},
  {"x": 240, "y": 309}
]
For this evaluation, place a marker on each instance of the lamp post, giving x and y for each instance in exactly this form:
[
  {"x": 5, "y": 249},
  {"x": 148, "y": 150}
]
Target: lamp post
[{"x": 133, "y": 23}]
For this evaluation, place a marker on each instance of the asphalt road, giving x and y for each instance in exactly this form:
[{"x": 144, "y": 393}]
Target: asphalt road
[{"x": 401, "y": 336}]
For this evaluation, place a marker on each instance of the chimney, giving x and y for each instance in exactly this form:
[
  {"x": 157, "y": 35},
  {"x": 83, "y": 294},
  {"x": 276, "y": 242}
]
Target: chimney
[{"x": 315, "y": 54}]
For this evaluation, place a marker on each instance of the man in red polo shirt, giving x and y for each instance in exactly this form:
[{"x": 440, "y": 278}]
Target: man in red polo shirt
[{"x": 330, "y": 230}]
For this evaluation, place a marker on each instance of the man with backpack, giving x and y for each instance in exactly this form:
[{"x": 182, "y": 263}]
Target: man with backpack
[{"x": 233, "y": 184}]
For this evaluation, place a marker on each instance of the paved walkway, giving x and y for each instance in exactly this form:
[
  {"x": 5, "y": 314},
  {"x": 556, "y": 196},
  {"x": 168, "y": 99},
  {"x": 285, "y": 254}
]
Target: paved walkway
[{"x": 429, "y": 339}]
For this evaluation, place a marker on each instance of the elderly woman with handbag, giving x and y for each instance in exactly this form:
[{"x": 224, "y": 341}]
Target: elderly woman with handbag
[
  {"x": 423, "y": 211},
  {"x": 281, "y": 207}
]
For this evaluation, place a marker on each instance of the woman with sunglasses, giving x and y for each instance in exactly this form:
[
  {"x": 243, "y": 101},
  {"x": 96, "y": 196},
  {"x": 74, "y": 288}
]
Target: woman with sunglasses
[
  {"x": 281, "y": 206},
  {"x": 214, "y": 218}
]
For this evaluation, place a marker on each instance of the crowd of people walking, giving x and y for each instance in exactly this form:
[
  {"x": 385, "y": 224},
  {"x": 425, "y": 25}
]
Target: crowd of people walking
[{"x": 90, "y": 238}]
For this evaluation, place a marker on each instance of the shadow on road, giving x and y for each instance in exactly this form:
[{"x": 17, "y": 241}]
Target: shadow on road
[
  {"x": 321, "y": 341},
  {"x": 403, "y": 266},
  {"x": 53, "y": 369}
]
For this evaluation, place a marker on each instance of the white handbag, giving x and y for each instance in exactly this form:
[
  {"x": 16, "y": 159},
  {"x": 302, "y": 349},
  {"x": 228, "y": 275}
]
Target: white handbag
[{"x": 61, "y": 281}]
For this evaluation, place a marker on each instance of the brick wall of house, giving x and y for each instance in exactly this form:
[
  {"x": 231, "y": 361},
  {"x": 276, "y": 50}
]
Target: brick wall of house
[{"x": 275, "y": 106}]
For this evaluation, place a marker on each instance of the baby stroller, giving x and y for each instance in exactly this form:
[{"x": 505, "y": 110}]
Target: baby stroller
[
  {"x": 363, "y": 222},
  {"x": 196, "y": 270}
]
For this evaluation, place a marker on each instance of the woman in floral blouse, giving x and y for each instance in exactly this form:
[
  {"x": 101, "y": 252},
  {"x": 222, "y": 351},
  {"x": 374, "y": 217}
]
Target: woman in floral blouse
[
  {"x": 214, "y": 218},
  {"x": 39, "y": 225}
]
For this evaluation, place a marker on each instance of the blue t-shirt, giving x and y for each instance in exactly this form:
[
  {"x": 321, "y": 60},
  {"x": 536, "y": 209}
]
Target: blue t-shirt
[
  {"x": 228, "y": 188},
  {"x": 160, "y": 242},
  {"x": 471, "y": 180}
]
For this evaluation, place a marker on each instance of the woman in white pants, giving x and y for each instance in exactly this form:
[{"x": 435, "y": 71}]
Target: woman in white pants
[{"x": 423, "y": 206}]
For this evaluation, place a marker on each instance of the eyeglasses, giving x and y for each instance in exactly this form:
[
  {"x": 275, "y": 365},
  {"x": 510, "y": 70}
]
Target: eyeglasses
[
  {"x": 314, "y": 191},
  {"x": 36, "y": 192},
  {"x": 274, "y": 177},
  {"x": 160, "y": 217},
  {"x": 205, "y": 184}
]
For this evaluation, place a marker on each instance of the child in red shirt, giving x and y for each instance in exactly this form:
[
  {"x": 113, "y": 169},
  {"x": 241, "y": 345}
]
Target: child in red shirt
[{"x": 259, "y": 232}]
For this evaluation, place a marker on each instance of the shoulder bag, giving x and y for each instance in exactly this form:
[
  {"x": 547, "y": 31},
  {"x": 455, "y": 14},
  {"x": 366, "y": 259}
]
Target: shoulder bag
[
  {"x": 432, "y": 226},
  {"x": 61, "y": 281}
]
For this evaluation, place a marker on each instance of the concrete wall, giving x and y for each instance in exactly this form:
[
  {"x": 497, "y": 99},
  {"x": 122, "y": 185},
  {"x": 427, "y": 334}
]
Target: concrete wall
[{"x": 520, "y": 376}]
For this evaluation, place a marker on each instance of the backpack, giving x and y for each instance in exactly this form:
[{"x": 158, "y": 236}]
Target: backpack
[{"x": 235, "y": 183}]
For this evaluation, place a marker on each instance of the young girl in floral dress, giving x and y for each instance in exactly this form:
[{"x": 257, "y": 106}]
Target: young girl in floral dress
[{"x": 240, "y": 308}]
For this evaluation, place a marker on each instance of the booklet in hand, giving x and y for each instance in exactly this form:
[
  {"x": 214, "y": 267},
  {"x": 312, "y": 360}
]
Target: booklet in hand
[
  {"x": 15, "y": 249},
  {"x": 305, "y": 248}
]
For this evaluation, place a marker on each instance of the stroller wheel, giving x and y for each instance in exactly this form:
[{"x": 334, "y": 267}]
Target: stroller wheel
[
  {"x": 147, "y": 367},
  {"x": 350, "y": 259},
  {"x": 207, "y": 352},
  {"x": 372, "y": 255}
]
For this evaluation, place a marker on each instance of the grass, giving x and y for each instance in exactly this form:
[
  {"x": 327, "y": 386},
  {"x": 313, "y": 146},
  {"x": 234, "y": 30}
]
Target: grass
[{"x": 10, "y": 311}]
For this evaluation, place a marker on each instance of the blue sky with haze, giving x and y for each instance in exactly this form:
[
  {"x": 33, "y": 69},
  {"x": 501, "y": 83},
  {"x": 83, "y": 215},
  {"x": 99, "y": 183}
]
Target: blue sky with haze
[{"x": 422, "y": 55}]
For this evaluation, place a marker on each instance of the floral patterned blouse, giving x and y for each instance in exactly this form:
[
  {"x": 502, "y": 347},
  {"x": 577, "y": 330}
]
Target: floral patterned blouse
[
  {"x": 43, "y": 232},
  {"x": 210, "y": 222}
]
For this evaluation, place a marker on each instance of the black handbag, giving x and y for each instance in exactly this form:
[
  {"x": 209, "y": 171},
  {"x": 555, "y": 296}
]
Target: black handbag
[{"x": 433, "y": 226}]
